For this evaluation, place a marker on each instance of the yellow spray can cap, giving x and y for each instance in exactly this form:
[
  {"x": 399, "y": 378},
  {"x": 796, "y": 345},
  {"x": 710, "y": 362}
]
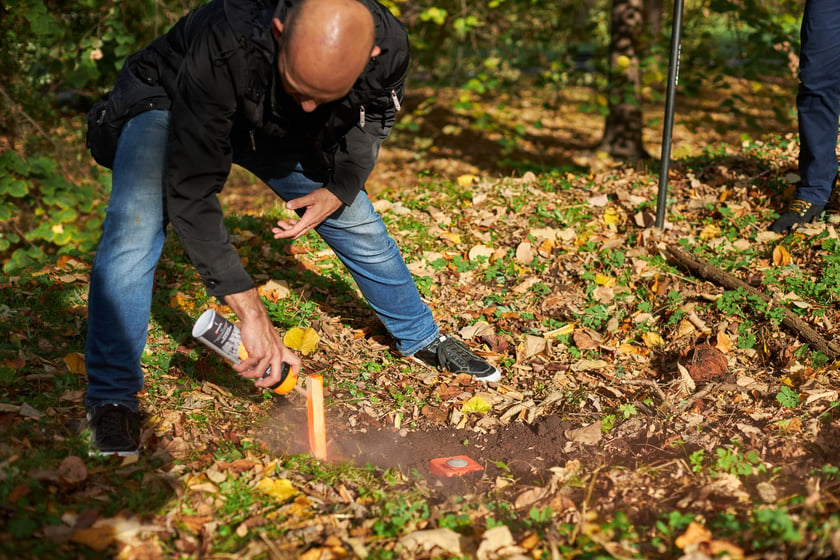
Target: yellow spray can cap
[{"x": 288, "y": 378}]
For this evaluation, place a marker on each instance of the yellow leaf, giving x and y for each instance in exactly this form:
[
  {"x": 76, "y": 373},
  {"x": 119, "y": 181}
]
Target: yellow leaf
[
  {"x": 546, "y": 247},
  {"x": 623, "y": 61},
  {"x": 565, "y": 329},
  {"x": 181, "y": 301},
  {"x": 466, "y": 180},
  {"x": 476, "y": 404},
  {"x": 781, "y": 256},
  {"x": 306, "y": 341},
  {"x": 612, "y": 217},
  {"x": 280, "y": 489},
  {"x": 75, "y": 362},
  {"x": 711, "y": 231},
  {"x": 630, "y": 349},
  {"x": 604, "y": 280},
  {"x": 652, "y": 339},
  {"x": 685, "y": 327},
  {"x": 453, "y": 237}
]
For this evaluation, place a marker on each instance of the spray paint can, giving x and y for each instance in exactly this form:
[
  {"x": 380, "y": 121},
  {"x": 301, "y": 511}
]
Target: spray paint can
[{"x": 224, "y": 338}]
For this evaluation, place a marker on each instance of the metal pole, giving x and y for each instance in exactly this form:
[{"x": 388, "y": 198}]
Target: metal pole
[{"x": 668, "y": 126}]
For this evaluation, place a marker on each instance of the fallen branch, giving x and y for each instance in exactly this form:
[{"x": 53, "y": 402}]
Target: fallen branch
[{"x": 708, "y": 271}]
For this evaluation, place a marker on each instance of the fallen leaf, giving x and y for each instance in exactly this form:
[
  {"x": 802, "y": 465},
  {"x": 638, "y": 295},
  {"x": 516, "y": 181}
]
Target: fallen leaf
[
  {"x": 498, "y": 543},
  {"x": 530, "y": 497},
  {"x": 280, "y": 489},
  {"x": 182, "y": 301},
  {"x": 781, "y": 256},
  {"x": 612, "y": 217},
  {"x": 480, "y": 251},
  {"x": 306, "y": 341},
  {"x": 652, "y": 339},
  {"x": 453, "y": 237},
  {"x": 75, "y": 362},
  {"x": 531, "y": 346},
  {"x": 588, "y": 365},
  {"x": 72, "y": 470},
  {"x": 565, "y": 329},
  {"x": 724, "y": 343},
  {"x": 603, "y": 294},
  {"x": 687, "y": 384},
  {"x": 718, "y": 548},
  {"x": 585, "y": 339},
  {"x": 98, "y": 538},
  {"x": 588, "y": 435},
  {"x": 432, "y": 541},
  {"x": 275, "y": 290},
  {"x": 476, "y": 404},
  {"x": 477, "y": 329},
  {"x": 525, "y": 253},
  {"x": 710, "y": 231},
  {"x": 694, "y": 534},
  {"x": 28, "y": 411},
  {"x": 604, "y": 280},
  {"x": 466, "y": 180},
  {"x": 599, "y": 200}
]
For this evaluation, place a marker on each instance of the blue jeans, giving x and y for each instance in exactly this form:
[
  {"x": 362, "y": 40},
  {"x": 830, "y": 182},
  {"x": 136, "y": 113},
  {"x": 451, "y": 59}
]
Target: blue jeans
[
  {"x": 133, "y": 233},
  {"x": 818, "y": 99}
]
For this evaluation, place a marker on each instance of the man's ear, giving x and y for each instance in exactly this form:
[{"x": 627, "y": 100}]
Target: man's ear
[
  {"x": 277, "y": 29},
  {"x": 375, "y": 52}
]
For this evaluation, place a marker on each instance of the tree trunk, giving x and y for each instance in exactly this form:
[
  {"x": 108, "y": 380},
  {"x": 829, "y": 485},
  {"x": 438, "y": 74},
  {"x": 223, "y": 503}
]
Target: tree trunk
[
  {"x": 623, "y": 128},
  {"x": 653, "y": 17}
]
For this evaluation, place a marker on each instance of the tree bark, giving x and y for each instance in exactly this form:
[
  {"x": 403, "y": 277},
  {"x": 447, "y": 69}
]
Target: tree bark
[
  {"x": 653, "y": 17},
  {"x": 623, "y": 128}
]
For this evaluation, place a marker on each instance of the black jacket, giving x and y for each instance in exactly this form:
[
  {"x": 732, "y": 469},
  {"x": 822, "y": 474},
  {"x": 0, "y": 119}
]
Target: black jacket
[{"x": 216, "y": 72}]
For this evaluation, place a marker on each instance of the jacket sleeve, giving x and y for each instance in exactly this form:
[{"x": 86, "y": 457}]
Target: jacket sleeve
[
  {"x": 357, "y": 153},
  {"x": 199, "y": 157}
]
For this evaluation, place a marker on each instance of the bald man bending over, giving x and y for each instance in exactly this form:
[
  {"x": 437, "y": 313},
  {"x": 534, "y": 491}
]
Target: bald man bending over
[{"x": 302, "y": 93}]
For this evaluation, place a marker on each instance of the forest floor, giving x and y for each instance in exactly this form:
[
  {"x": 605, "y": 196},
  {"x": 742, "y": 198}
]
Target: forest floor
[{"x": 646, "y": 408}]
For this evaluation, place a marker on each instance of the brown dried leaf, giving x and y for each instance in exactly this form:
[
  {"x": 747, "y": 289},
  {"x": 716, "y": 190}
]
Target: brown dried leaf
[{"x": 72, "y": 470}]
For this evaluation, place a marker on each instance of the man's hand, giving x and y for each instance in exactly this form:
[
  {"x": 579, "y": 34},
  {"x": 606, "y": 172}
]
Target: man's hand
[
  {"x": 261, "y": 341},
  {"x": 318, "y": 205}
]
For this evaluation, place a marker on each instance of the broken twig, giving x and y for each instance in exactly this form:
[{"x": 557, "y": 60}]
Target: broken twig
[{"x": 708, "y": 271}]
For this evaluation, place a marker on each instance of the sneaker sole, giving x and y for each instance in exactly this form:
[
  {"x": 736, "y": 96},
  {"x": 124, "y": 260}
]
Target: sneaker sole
[
  {"x": 98, "y": 453},
  {"x": 494, "y": 377}
]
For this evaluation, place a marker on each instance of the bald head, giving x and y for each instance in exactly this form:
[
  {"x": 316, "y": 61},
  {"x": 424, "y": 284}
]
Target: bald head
[{"x": 325, "y": 45}]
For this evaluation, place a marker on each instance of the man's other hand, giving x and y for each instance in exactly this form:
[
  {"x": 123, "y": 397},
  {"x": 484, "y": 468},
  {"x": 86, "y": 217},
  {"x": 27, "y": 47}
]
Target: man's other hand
[{"x": 318, "y": 206}]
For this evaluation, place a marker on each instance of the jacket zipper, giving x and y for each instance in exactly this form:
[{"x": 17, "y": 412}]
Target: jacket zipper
[{"x": 394, "y": 99}]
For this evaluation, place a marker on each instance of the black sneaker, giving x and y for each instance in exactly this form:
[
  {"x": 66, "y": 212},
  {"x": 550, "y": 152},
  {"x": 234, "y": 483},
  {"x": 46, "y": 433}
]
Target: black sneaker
[
  {"x": 453, "y": 355},
  {"x": 114, "y": 430},
  {"x": 799, "y": 212}
]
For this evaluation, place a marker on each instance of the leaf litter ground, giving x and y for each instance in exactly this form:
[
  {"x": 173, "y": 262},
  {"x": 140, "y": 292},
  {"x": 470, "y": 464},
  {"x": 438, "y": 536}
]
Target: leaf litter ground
[
  {"x": 630, "y": 386},
  {"x": 689, "y": 388}
]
